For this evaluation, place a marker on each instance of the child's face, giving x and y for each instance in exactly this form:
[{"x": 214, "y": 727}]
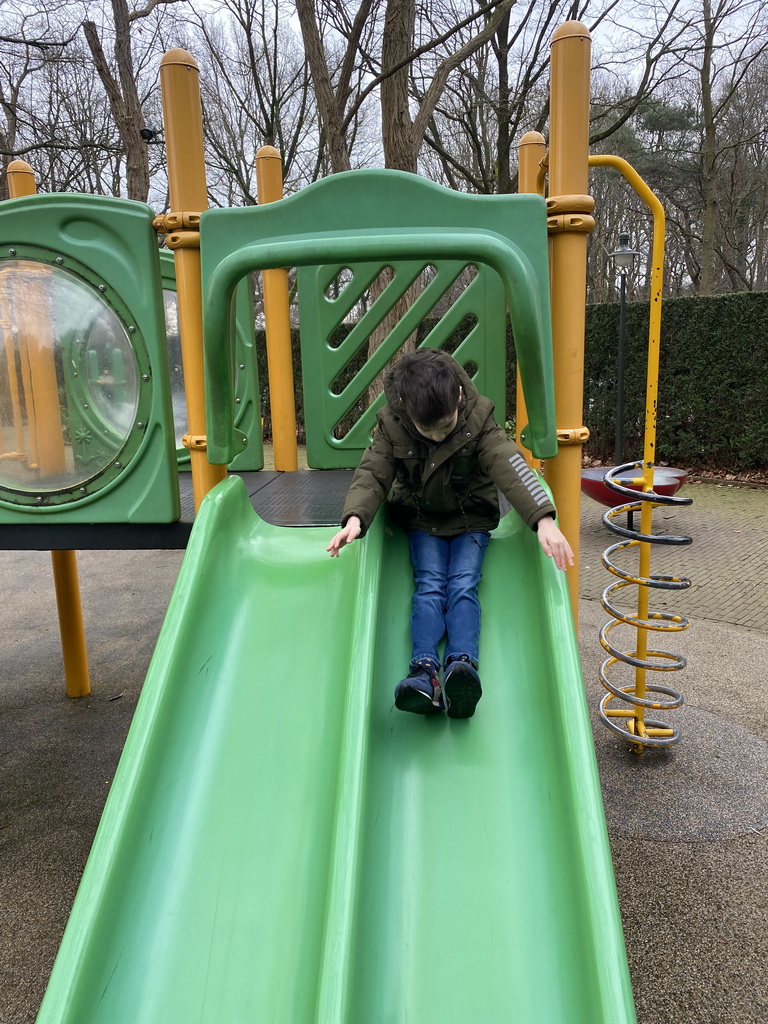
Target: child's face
[{"x": 440, "y": 430}]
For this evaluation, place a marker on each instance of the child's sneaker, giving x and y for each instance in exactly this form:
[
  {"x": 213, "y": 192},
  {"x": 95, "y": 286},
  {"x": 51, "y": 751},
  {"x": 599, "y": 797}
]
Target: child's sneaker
[
  {"x": 461, "y": 689},
  {"x": 420, "y": 692}
]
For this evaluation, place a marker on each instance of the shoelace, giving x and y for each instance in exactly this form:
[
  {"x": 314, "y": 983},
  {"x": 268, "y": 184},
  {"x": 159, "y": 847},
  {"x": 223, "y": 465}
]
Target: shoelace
[{"x": 433, "y": 678}]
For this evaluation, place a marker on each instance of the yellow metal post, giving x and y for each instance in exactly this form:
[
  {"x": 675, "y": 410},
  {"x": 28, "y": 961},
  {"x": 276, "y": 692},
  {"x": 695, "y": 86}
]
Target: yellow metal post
[
  {"x": 70, "y": 608},
  {"x": 43, "y": 401},
  {"x": 569, "y": 220},
  {"x": 183, "y": 122},
  {"x": 36, "y": 343},
  {"x": 269, "y": 184},
  {"x": 531, "y": 177},
  {"x": 6, "y": 326},
  {"x": 21, "y": 179}
]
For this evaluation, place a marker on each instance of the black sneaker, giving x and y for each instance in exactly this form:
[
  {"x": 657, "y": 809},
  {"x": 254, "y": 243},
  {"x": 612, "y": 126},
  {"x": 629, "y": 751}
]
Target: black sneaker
[
  {"x": 420, "y": 692},
  {"x": 461, "y": 689}
]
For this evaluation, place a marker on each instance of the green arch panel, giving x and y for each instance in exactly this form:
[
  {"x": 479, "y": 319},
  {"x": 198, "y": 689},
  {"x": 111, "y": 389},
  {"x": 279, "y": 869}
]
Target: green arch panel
[{"x": 363, "y": 221}]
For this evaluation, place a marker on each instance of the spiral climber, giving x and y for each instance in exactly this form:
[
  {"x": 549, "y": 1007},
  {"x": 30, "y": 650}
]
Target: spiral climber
[{"x": 628, "y": 719}]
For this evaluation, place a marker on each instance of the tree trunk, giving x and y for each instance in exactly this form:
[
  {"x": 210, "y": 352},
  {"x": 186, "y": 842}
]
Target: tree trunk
[
  {"x": 400, "y": 148},
  {"x": 708, "y": 159},
  {"x": 327, "y": 102},
  {"x": 123, "y": 98},
  {"x": 501, "y": 51},
  {"x": 400, "y": 151}
]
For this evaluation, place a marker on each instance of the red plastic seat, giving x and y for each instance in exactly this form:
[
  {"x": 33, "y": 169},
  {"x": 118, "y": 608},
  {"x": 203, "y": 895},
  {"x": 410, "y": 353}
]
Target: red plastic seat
[{"x": 666, "y": 480}]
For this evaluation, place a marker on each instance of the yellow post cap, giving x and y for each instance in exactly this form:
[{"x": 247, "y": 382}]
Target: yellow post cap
[
  {"x": 179, "y": 56},
  {"x": 571, "y": 30}
]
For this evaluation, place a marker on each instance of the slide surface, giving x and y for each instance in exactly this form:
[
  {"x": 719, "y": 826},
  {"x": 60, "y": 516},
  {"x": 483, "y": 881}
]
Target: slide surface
[{"x": 281, "y": 846}]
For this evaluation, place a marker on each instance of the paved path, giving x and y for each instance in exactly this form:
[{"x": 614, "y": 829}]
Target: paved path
[
  {"x": 727, "y": 561},
  {"x": 689, "y": 825}
]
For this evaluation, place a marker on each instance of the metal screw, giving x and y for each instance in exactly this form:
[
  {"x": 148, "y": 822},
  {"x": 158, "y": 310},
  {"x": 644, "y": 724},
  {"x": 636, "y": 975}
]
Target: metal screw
[
  {"x": 132, "y": 330},
  {"x": 59, "y": 260},
  {"x": 242, "y": 366},
  {"x": 139, "y": 426},
  {"x": 82, "y": 490},
  {"x": 245, "y": 440},
  {"x": 238, "y": 401},
  {"x": 38, "y": 498},
  {"x": 145, "y": 376},
  {"x": 102, "y": 287},
  {"x": 118, "y": 465},
  {"x": 85, "y": 405}
]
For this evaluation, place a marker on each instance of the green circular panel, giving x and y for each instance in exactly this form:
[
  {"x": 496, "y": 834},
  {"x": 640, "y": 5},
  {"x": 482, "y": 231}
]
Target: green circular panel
[{"x": 73, "y": 382}]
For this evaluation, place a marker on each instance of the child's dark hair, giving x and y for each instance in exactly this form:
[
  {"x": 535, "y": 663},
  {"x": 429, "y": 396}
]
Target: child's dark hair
[{"x": 427, "y": 385}]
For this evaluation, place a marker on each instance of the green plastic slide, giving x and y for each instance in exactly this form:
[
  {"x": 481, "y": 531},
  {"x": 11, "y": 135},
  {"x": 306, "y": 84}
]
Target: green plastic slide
[{"x": 281, "y": 846}]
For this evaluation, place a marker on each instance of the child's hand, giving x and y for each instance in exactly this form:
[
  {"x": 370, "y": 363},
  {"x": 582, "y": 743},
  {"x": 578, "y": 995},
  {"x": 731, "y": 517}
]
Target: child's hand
[
  {"x": 554, "y": 543},
  {"x": 350, "y": 532}
]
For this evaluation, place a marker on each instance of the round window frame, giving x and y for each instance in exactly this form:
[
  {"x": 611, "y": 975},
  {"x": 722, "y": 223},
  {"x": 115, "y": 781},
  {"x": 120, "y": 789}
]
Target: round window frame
[{"x": 84, "y": 490}]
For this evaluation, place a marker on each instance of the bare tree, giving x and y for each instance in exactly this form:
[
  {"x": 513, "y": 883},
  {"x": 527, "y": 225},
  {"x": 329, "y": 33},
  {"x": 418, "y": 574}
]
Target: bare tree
[
  {"x": 256, "y": 91},
  {"x": 497, "y": 90},
  {"x": 502, "y": 91},
  {"x": 700, "y": 144},
  {"x": 380, "y": 42},
  {"x": 34, "y": 39},
  {"x": 743, "y": 184},
  {"x": 679, "y": 88},
  {"x": 121, "y": 84},
  {"x": 731, "y": 37}
]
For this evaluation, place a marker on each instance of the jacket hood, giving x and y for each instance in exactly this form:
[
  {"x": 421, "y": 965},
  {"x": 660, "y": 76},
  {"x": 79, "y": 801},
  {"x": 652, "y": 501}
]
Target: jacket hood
[{"x": 392, "y": 377}]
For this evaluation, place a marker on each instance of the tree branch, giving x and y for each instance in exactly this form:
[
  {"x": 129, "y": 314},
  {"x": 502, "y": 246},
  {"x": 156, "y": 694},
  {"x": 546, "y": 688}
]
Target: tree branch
[
  {"x": 428, "y": 104},
  {"x": 145, "y": 11},
  {"x": 38, "y": 44},
  {"x": 102, "y": 66},
  {"x": 431, "y": 45}
]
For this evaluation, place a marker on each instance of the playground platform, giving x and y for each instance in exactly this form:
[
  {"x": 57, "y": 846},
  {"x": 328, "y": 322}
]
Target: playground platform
[
  {"x": 283, "y": 499},
  {"x": 688, "y": 825}
]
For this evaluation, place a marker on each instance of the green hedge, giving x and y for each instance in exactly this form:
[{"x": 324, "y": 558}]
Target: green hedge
[{"x": 713, "y": 381}]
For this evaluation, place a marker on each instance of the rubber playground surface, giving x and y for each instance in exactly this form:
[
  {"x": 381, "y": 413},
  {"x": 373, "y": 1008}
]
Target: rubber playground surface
[{"x": 688, "y": 826}]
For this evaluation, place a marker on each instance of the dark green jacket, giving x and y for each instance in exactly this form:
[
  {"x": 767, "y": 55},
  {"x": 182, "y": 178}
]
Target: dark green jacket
[{"x": 449, "y": 487}]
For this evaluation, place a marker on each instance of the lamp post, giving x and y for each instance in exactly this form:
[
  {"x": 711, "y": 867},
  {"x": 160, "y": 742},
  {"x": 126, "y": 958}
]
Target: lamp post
[{"x": 623, "y": 261}]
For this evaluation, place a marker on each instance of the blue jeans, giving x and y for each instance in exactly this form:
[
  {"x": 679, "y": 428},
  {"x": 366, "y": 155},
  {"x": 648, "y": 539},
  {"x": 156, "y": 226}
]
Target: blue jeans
[{"x": 446, "y": 571}]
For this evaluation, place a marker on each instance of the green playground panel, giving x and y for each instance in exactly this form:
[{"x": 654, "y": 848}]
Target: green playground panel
[
  {"x": 114, "y": 397},
  {"x": 361, "y": 222},
  {"x": 338, "y": 418},
  {"x": 247, "y": 402}
]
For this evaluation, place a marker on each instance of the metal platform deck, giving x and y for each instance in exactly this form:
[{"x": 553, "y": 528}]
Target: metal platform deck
[{"x": 303, "y": 498}]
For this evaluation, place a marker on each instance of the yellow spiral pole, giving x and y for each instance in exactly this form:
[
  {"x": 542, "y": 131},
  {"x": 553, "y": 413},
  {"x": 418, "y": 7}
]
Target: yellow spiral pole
[{"x": 636, "y": 718}]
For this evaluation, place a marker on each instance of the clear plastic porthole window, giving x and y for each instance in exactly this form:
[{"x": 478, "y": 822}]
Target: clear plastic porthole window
[{"x": 69, "y": 380}]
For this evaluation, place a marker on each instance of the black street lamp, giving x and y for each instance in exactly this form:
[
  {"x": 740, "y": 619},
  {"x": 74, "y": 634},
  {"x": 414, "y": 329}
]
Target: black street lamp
[{"x": 623, "y": 261}]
